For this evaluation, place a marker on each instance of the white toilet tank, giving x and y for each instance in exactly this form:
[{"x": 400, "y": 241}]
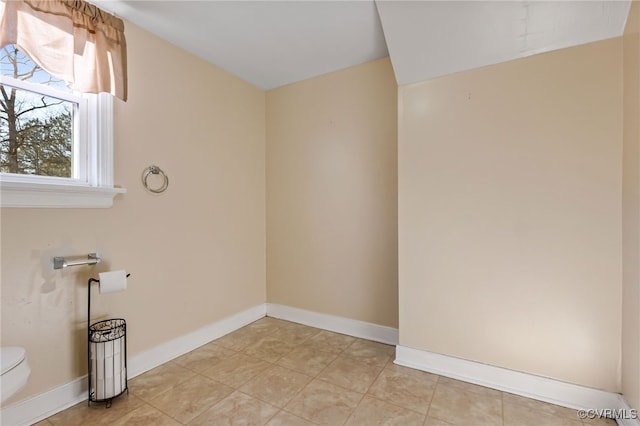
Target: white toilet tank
[{"x": 15, "y": 371}]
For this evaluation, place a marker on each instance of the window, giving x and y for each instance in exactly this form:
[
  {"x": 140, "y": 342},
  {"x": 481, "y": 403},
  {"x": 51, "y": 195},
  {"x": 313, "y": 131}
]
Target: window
[{"x": 55, "y": 144}]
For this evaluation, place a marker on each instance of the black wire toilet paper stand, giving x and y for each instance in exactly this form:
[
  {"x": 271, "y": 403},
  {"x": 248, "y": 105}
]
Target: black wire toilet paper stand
[{"x": 99, "y": 335}]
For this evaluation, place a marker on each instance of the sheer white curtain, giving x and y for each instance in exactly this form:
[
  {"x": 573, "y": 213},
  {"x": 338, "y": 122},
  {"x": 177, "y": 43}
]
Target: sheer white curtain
[{"x": 70, "y": 39}]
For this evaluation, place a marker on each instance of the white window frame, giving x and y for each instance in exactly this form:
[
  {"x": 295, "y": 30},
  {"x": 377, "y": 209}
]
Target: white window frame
[{"x": 92, "y": 184}]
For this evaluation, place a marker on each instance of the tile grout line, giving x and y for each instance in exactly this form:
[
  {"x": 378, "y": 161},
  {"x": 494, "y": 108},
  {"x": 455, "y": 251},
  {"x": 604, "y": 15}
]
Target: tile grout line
[
  {"x": 435, "y": 388},
  {"x": 502, "y": 406},
  {"x": 390, "y": 362},
  {"x": 275, "y": 330},
  {"x": 397, "y": 405},
  {"x": 369, "y": 387},
  {"x": 275, "y": 363}
]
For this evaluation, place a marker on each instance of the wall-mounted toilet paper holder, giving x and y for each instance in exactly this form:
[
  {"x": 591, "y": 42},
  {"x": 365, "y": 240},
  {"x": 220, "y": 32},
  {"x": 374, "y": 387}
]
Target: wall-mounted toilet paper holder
[{"x": 63, "y": 262}]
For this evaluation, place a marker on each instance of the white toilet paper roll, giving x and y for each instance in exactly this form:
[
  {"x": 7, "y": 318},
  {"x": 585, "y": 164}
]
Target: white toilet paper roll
[{"x": 113, "y": 281}]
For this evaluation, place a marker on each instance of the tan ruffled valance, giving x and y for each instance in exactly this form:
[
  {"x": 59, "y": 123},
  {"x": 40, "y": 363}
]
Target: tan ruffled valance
[{"x": 70, "y": 39}]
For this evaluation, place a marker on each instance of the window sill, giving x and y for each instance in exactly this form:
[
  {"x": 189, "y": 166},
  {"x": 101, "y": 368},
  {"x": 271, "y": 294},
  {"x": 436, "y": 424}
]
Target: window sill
[{"x": 45, "y": 195}]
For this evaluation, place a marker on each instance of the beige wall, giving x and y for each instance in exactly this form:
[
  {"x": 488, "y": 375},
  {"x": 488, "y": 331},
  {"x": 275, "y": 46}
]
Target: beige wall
[
  {"x": 631, "y": 211},
  {"x": 196, "y": 252},
  {"x": 331, "y": 194},
  {"x": 510, "y": 242},
  {"x": 510, "y": 215}
]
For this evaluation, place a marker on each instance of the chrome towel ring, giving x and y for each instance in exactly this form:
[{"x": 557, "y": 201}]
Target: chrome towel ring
[{"x": 155, "y": 170}]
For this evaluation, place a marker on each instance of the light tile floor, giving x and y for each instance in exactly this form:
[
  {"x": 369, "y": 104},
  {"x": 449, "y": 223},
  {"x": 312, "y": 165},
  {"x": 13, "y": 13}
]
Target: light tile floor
[{"x": 276, "y": 372}]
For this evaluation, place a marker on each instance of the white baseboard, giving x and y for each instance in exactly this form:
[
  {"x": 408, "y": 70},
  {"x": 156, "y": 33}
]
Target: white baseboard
[
  {"x": 41, "y": 406},
  {"x": 46, "y": 404},
  {"x": 351, "y": 327},
  {"x": 627, "y": 410},
  {"x": 152, "y": 358},
  {"x": 523, "y": 384}
]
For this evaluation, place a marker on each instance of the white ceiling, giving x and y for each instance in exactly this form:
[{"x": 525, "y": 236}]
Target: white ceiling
[
  {"x": 428, "y": 39},
  {"x": 267, "y": 43},
  {"x": 274, "y": 43}
]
